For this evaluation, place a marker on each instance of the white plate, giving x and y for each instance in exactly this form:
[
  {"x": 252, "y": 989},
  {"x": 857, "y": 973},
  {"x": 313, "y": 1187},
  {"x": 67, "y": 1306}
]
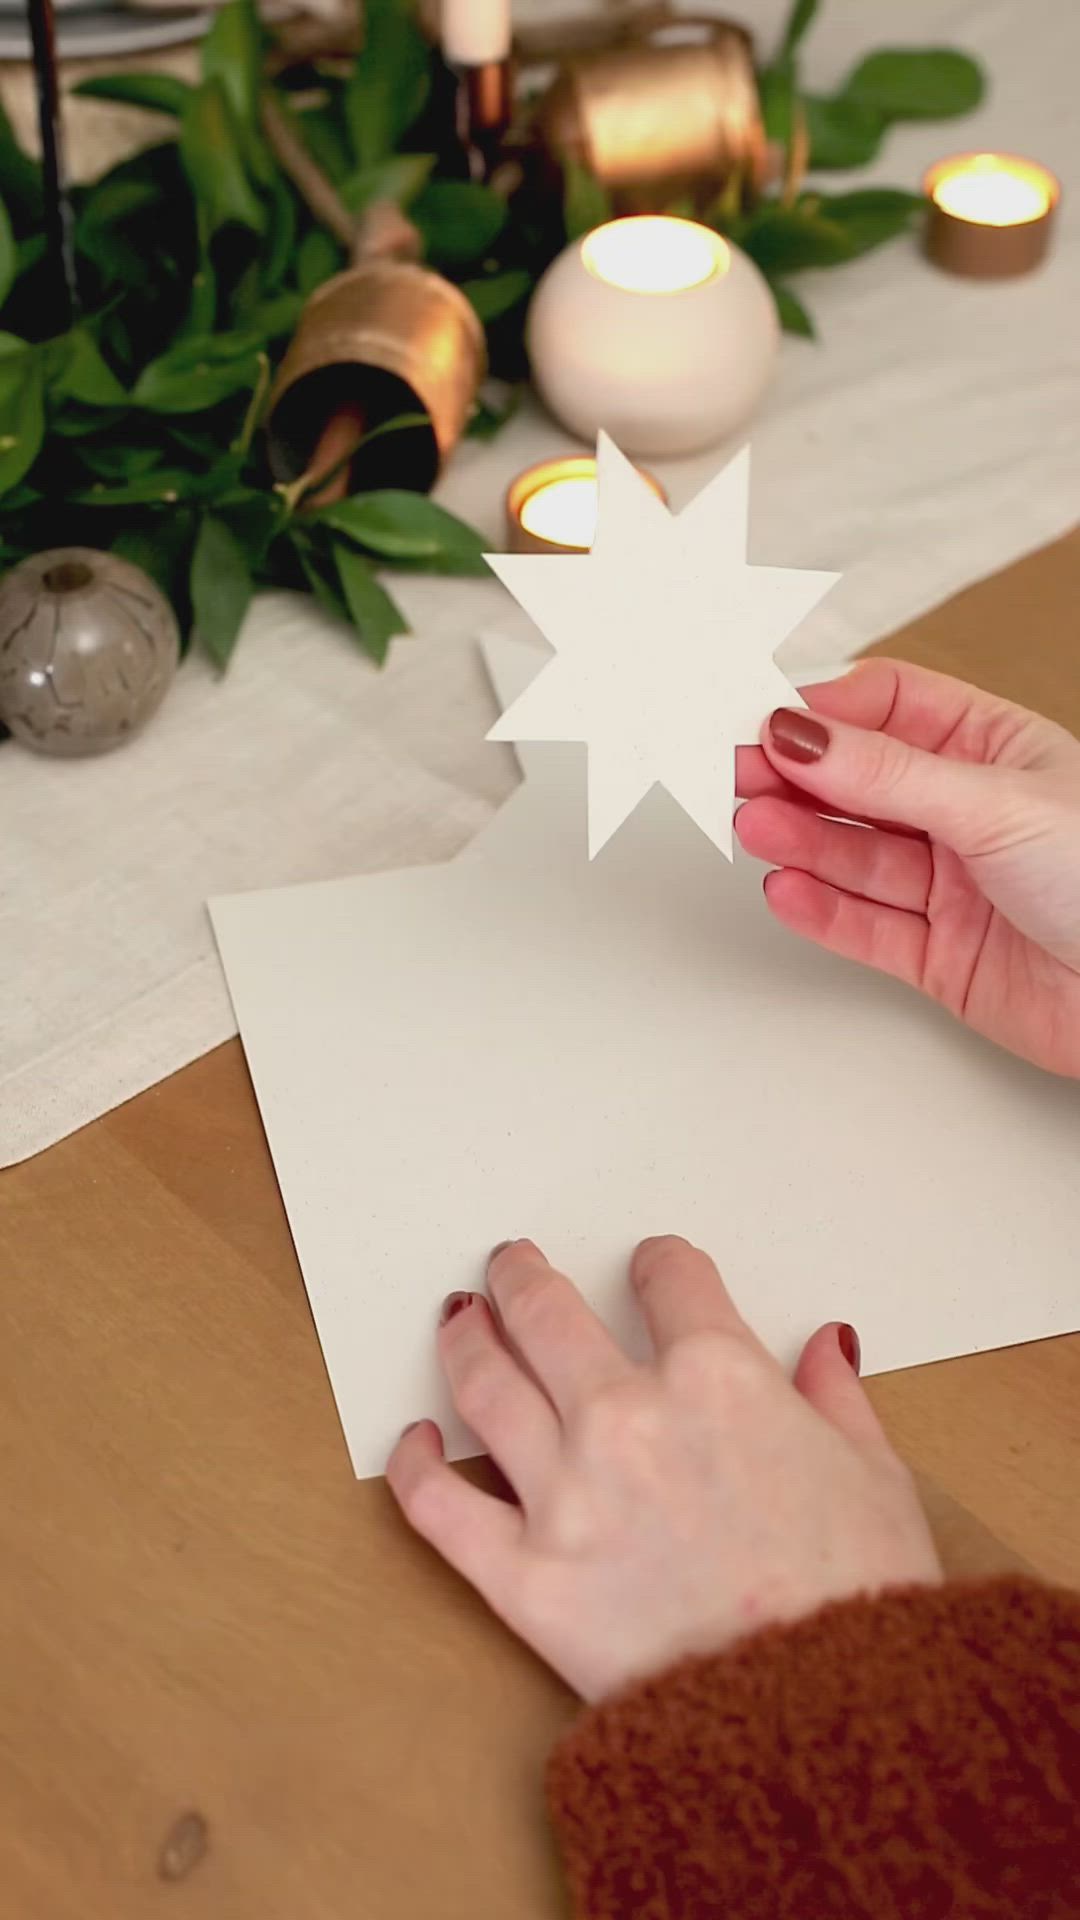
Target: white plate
[{"x": 106, "y": 33}]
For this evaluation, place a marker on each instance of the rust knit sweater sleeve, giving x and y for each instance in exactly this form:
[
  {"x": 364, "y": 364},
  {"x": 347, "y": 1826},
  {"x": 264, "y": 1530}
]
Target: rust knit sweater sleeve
[{"x": 906, "y": 1758}]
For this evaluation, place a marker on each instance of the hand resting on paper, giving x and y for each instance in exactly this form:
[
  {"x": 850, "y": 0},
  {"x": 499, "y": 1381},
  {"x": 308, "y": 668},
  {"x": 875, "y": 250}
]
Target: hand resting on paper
[
  {"x": 967, "y": 882},
  {"x": 662, "y": 1510}
]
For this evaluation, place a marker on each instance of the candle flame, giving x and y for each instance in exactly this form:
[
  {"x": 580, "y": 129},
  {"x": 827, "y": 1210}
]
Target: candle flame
[
  {"x": 563, "y": 511},
  {"x": 992, "y": 189},
  {"x": 655, "y": 253}
]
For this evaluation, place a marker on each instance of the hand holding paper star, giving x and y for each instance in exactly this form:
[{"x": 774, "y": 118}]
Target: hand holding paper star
[{"x": 664, "y": 636}]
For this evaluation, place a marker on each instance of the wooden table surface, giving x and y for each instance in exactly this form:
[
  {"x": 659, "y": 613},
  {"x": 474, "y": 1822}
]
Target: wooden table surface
[{"x": 232, "y": 1687}]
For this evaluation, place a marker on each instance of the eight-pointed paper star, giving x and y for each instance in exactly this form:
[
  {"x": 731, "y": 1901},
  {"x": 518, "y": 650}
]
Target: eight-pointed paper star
[{"x": 664, "y": 637}]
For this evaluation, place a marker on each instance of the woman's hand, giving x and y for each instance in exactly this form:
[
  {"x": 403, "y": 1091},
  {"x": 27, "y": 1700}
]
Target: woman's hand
[
  {"x": 661, "y": 1510},
  {"x": 967, "y": 882}
]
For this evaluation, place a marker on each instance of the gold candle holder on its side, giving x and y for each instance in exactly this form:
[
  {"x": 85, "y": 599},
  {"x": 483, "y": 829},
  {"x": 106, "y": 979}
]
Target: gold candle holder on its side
[
  {"x": 989, "y": 215},
  {"x": 655, "y": 113},
  {"x": 562, "y": 496},
  {"x": 388, "y": 337}
]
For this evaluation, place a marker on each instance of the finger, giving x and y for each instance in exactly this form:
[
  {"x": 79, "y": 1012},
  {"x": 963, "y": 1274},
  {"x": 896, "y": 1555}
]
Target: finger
[
  {"x": 828, "y": 1376},
  {"x": 547, "y": 1322},
  {"x": 930, "y": 711},
  {"x": 681, "y": 1292},
  {"x": 754, "y": 776},
  {"x": 755, "y": 779},
  {"x": 927, "y": 710},
  {"x": 884, "y": 937},
  {"x": 892, "y": 868},
  {"x": 495, "y": 1397},
  {"x": 479, "y": 1536},
  {"x": 849, "y": 770}
]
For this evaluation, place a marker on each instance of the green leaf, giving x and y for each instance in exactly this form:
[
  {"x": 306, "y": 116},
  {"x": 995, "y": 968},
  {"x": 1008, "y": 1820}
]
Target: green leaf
[
  {"x": 102, "y": 229},
  {"x": 823, "y": 230},
  {"x": 82, "y": 373},
  {"x": 221, "y": 588},
  {"x": 22, "y": 416},
  {"x": 162, "y": 549},
  {"x": 201, "y": 314},
  {"x": 788, "y": 239},
  {"x": 232, "y": 55},
  {"x": 373, "y": 614},
  {"x": 210, "y": 148},
  {"x": 157, "y": 92},
  {"x": 105, "y": 460},
  {"x": 910, "y": 83},
  {"x": 30, "y": 251},
  {"x": 9, "y": 259},
  {"x": 323, "y": 138},
  {"x": 498, "y": 292},
  {"x": 586, "y": 203},
  {"x": 198, "y": 373},
  {"x": 459, "y": 220},
  {"x": 407, "y": 527},
  {"x": 399, "y": 179},
  {"x": 318, "y": 257},
  {"x": 776, "y": 91},
  {"x": 489, "y": 417},
  {"x": 20, "y": 177},
  {"x": 272, "y": 319},
  {"x": 389, "y": 83},
  {"x": 255, "y": 517},
  {"x": 871, "y": 215},
  {"x": 321, "y": 575},
  {"x": 279, "y": 249},
  {"x": 802, "y": 13},
  {"x": 793, "y": 315},
  {"x": 164, "y": 486},
  {"x": 843, "y": 132}
]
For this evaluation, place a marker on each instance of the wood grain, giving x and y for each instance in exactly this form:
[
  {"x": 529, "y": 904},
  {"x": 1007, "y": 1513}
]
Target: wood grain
[{"x": 232, "y": 1687}]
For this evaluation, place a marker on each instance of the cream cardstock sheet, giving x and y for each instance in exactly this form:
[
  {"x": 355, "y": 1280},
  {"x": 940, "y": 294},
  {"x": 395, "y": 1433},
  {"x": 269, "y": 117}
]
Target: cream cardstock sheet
[{"x": 524, "y": 1041}]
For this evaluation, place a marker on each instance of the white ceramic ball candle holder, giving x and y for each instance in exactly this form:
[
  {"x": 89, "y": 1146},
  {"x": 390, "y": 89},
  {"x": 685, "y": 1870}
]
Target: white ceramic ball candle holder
[{"x": 657, "y": 331}]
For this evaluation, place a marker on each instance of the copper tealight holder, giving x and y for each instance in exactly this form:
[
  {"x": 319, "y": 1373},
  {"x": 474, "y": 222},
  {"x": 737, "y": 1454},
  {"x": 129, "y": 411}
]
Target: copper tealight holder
[
  {"x": 551, "y": 507},
  {"x": 387, "y": 337},
  {"x": 990, "y": 215}
]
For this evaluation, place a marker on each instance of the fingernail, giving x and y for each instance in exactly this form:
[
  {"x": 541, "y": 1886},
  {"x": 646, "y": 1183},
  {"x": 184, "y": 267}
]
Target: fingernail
[
  {"x": 848, "y": 1342},
  {"x": 453, "y": 1304},
  {"x": 501, "y": 1248},
  {"x": 797, "y": 735},
  {"x": 411, "y": 1428}
]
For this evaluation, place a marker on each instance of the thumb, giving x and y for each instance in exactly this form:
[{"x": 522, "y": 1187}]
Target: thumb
[
  {"x": 870, "y": 775},
  {"x": 828, "y": 1377}
]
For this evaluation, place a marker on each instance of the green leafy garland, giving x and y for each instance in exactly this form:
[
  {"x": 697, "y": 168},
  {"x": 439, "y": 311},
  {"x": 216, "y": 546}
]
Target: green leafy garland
[{"x": 137, "y": 430}]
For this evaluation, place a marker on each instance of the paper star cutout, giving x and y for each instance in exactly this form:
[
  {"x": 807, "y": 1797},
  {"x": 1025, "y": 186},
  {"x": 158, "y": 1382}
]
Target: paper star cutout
[{"x": 664, "y": 636}]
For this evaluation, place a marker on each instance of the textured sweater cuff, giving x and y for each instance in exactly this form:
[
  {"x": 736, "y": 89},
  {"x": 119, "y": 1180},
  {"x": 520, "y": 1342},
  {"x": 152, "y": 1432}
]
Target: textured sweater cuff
[{"x": 913, "y": 1755}]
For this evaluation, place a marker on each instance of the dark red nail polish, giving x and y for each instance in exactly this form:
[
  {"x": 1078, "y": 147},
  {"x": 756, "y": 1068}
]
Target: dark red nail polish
[
  {"x": 848, "y": 1342},
  {"x": 797, "y": 735},
  {"x": 453, "y": 1304}
]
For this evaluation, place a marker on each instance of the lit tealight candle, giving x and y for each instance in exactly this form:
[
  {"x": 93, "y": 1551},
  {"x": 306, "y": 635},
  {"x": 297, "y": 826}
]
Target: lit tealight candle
[
  {"x": 655, "y": 329},
  {"x": 551, "y": 508},
  {"x": 990, "y": 214}
]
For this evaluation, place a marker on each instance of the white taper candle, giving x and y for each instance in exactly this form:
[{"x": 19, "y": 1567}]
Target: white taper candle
[{"x": 475, "y": 32}]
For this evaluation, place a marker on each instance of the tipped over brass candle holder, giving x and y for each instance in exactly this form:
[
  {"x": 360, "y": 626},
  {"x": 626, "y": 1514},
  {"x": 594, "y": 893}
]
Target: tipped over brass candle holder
[
  {"x": 383, "y": 339},
  {"x": 663, "y": 111}
]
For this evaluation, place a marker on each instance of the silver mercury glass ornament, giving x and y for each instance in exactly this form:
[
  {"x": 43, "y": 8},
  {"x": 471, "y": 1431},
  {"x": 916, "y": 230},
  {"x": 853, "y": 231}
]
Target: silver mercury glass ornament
[{"x": 88, "y": 646}]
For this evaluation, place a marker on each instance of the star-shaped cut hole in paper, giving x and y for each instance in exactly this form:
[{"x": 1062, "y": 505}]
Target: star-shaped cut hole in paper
[{"x": 664, "y": 637}]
